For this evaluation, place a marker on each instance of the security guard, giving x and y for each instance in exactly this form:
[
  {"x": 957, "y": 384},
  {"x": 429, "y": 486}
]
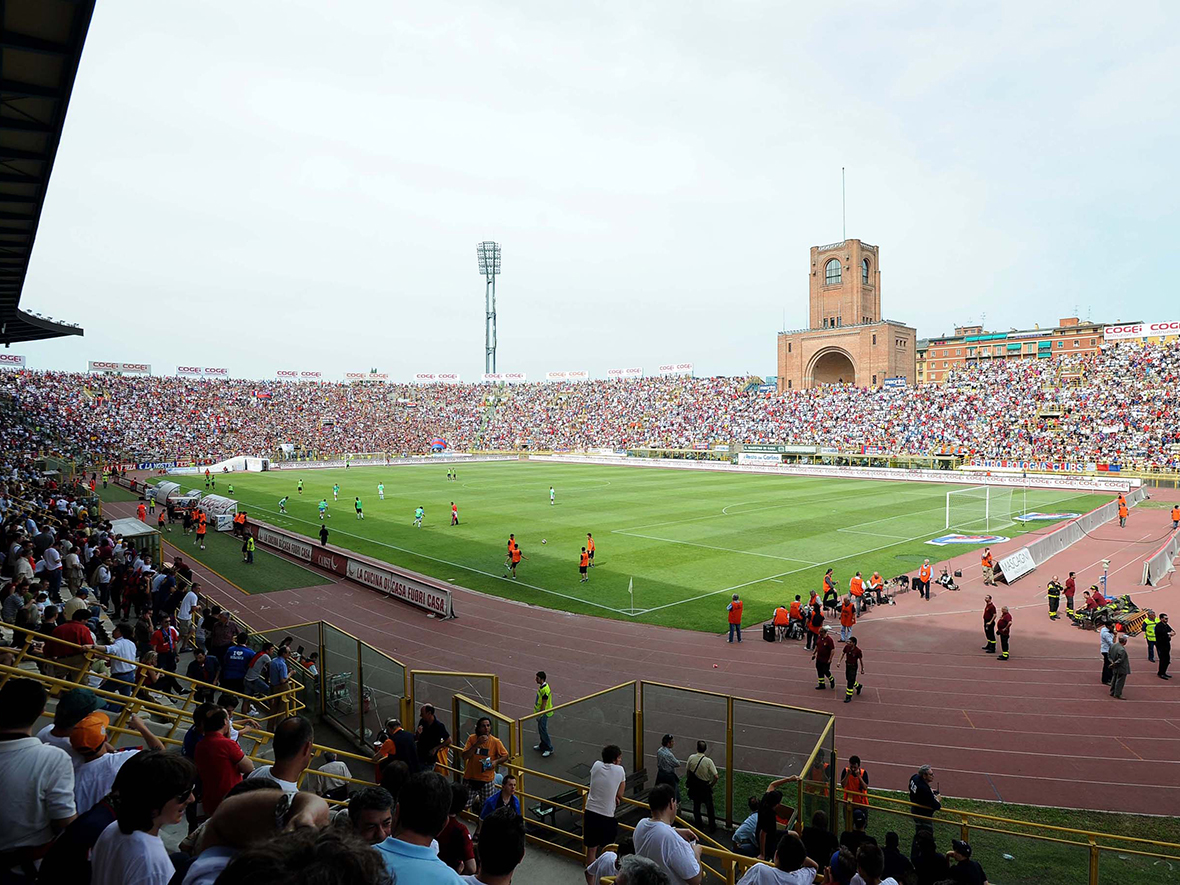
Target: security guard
[
  {"x": 248, "y": 547},
  {"x": 1149, "y": 623},
  {"x": 1175, "y": 513},
  {"x": 1054, "y": 592}
]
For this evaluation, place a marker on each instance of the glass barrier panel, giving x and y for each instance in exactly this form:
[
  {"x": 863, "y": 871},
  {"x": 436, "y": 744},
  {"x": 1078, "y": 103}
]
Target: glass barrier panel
[
  {"x": 1027, "y": 860},
  {"x": 469, "y": 713},
  {"x": 770, "y": 742},
  {"x": 305, "y": 641},
  {"x": 689, "y": 716},
  {"x": 438, "y": 689},
  {"x": 816, "y": 781},
  {"x": 342, "y": 692},
  {"x": 1119, "y": 866},
  {"x": 384, "y": 686}
]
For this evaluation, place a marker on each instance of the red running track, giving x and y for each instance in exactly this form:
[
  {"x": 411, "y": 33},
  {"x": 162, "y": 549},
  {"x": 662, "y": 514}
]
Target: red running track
[{"x": 1038, "y": 729}]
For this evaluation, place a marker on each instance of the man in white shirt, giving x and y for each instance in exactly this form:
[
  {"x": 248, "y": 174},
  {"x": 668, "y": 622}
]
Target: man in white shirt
[
  {"x": 184, "y": 615},
  {"x": 122, "y": 671},
  {"x": 51, "y": 561},
  {"x": 607, "y": 780},
  {"x": 293, "y": 750},
  {"x": 676, "y": 851},
  {"x": 38, "y": 778},
  {"x": 94, "y": 778}
]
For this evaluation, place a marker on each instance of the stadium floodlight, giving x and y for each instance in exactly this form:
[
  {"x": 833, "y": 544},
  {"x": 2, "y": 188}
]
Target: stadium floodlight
[{"x": 488, "y": 253}]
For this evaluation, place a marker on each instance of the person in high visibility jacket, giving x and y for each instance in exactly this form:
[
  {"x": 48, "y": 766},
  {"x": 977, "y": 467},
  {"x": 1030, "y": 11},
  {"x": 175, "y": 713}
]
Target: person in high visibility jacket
[
  {"x": 856, "y": 587},
  {"x": 248, "y": 549},
  {"x": 544, "y": 706},
  {"x": 855, "y": 781},
  {"x": 847, "y": 618},
  {"x": 1122, "y": 515},
  {"x": 989, "y": 567},
  {"x": 796, "y": 610},
  {"x": 877, "y": 586},
  {"x": 923, "y": 581},
  {"x": 782, "y": 619},
  {"x": 1149, "y": 624},
  {"x": 831, "y": 598},
  {"x": 1175, "y": 515},
  {"x": 734, "y": 615},
  {"x": 1053, "y": 591},
  {"x": 141, "y": 512},
  {"x": 815, "y": 625},
  {"x": 583, "y": 566}
]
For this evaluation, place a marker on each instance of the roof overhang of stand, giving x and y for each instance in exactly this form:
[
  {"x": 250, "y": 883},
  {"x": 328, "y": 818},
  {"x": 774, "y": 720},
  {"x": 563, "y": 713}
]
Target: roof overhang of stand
[{"x": 40, "y": 46}]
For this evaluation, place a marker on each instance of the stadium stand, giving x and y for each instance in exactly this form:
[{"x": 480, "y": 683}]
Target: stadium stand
[{"x": 1117, "y": 407}]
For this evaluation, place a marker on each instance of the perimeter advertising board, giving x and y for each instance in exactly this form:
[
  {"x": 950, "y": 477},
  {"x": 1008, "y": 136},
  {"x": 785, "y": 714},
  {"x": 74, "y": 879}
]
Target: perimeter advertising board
[
  {"x": 1132, "y": 331},
  {"x": 11, "y": 361}
]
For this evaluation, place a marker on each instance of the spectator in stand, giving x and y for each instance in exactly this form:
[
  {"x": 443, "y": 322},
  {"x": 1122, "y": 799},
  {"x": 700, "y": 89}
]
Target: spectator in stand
[
  {"x": 675, "y": 851},
  {"x": 820, "y": 842},
  {"x": 279, "y": 676},
  {"x": 165, "y": 643},
  {"x": 870, "y": 865},
  {"x": 370, "y": 814},
  {"x": 330, "y": 778},
  {"x": 203, "y": 668},
  {"x": 482, "y": 754},
  {"x": 306, "y": 856},
  {"x": 667, "y": 765},
  {"x": 856, "y": 837},
  {"x": 432, "y": 739},
  {"x": 930, "y": 865},
  {"x": 38, "y": 781},
  {"x": 221, "y": 764},
  {"x": 455, "y": 847},
  {"x": 505, "y": 798},
  {"x": 130, "y": 850},
  {"x": 221, "y": 636},
  {"x": 636, "y": 870},
  {"x": 702, "y": 777},
  {"x": 70, "y": 659},
  {"x": 72, "y": 707},
  {"x": 399, "y": 744},
  {"x": 766, "y": 833},
  {"x": 607, "y": 782},
  {"x": 101, "y": 762},
  {"x": 792, "y": 866},
  {"x": 501, "y": 849},
  {"x": 897, "y": 865},
  {"x": 184, "y": 614},
  {"x": 293, "y": 746},
  {"x": 421, "y": 814},
  {"x": 256, "y": 674},
  {"x": 235, "y": 663}
]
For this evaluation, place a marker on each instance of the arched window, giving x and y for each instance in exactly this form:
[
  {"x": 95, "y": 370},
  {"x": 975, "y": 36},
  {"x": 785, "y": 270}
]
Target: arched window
[
  {"x": 832, "y": 272},
  {"x": 864, "y": 270}
]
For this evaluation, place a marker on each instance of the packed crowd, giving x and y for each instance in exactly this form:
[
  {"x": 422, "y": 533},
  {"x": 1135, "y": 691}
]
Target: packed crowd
[{"x": 1118, "y": 406}]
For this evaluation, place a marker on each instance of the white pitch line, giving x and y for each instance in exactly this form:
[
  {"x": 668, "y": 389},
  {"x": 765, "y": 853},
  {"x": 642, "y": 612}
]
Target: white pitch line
[
  {"x": 713, "y": 547},
  {"x": 469, "y": 568},
  {"x": 784, "y": 574}
]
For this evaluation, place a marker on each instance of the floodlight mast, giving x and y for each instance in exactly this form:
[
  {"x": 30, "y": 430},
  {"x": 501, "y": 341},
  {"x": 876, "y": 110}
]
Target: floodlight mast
[{"x": 489, "y": 265}]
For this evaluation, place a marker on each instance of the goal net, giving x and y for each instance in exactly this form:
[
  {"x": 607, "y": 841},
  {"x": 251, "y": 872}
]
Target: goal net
[{"x": 980, "y": 509}]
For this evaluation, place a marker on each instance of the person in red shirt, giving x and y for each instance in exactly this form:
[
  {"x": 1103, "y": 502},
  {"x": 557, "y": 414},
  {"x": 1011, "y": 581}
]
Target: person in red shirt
[
  {"x": 68, "y": 658},
  {"x": 166, "y": 643},
  {"x": 1070, "y": 590},
  {"x": 221, "y": 764},
  {"x": 824, "y": 649},
  {"x": 1097, "y": 597},
  {"x": 989, "y": 624},
  {"x": 454, "y": 513},
  {"x": 455, "y": 848},
  {"x": 1004, "y": 629},
  {"x": 854, "y": 660},
  {"x": 734, "y": 615}
]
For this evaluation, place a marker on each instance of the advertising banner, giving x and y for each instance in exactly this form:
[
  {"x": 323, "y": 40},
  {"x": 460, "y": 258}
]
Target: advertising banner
[
  {"x": 449, "y": 378},
  {"x": 377, "y": 377},
  {"x": 189, "y": 371},
  {"x": 311, "y": 376},
  {"x": 515, "y": 377},
  {"x": 221, "y": 372},
  {"x": 125, "y": 368},
  {"x": 425, "y": 378},
  {"x": 557, "y": 376},
  {"x": 399, "y": 587},
  {"x": 676, "y": 369},
  {"x": 759, "y": 458},
  {"x": 578, "y": 375},
  {"x": 11, "y": 361},
  {"x": 492, "y": 377},
  {"x": 1016, "y": 565},
  {"x": 897, "y": 381},
  {"x": 626, "y": 374},
  {"x": 1132, "y": 331},
  {"x": 287, "y": 375},
  {"x": 287, "y": 544}
]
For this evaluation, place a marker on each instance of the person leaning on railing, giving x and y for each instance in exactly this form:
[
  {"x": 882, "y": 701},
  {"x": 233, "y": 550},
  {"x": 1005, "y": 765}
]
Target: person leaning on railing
[{"x": 676, "y": 851}]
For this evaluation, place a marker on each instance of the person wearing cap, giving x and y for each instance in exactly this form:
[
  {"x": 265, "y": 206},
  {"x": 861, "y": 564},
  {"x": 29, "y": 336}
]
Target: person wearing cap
[
  {"x": 964, "y": 870},
  {"x": 1120, "y": 666},
  {"x": 72, "y": 707},
  {"x": 856, "y": 837},
  {"x": 100, "y": 761}
]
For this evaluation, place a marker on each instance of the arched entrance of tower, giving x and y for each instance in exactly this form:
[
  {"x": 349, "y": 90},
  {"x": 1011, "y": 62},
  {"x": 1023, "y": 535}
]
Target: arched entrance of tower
[{"x": 832, "y": 366}]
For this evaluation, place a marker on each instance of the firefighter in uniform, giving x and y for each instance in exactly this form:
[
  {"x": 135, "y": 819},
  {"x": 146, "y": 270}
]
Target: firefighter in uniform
[
  {"x": 1004, "y": 630},
  {"x": 1070, "y": 590},
  {"x": 1053, "y": 590},
  {"x": 989, "y": 624}
]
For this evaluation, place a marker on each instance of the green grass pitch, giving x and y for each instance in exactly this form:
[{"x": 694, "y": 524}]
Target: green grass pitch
[{"x": 687, "y": 540}]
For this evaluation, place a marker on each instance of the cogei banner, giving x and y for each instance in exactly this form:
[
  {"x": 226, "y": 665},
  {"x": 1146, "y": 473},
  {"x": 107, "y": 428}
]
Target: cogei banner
[
  {"x": 201, "y": 372},
  {"x": 298, "y": 375},
  {"x": 676, "y": 369},
  {"x": 631, "y": 374},
  {"x": 11, "y": 361},
  {"x": 1132, "y": 331},
  {"x": 122, "y": 368}
]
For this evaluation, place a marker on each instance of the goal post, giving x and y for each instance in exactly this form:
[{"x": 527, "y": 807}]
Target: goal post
[{"x": 982, "y": 508}]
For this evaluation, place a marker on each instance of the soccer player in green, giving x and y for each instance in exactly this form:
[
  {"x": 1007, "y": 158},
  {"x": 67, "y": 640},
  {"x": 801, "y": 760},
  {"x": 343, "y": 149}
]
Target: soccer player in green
[
  {"x": 381, "y": 491},
  {"x": 336, "y": 492},
  {"x": 301, "y": 487},
  {"x": 360, "y": 513},
  {"x": 283, "y": 503},
  {"x": 418, "y": 514},
  {"x": 324, "y": 509}
]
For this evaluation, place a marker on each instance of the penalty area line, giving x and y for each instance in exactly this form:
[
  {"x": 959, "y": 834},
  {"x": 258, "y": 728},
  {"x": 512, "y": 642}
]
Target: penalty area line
[{"x": 460, "y": 565}]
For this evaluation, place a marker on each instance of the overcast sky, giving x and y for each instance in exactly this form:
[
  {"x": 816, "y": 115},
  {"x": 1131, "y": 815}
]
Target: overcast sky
[{"x": 301, "y": 185}]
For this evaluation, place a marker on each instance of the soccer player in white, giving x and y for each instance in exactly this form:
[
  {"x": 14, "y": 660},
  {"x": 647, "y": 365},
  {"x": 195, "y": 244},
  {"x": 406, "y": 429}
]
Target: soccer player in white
[
  {"x": 381, "y": 491},
  {"x": 283, "y": 504},
  {"x": 336, "y": 492},
  {"x": 552, "y": 496}
]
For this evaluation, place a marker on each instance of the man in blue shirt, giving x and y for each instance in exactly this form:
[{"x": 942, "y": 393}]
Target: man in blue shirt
[
  {"x": 422, "y": 809},
  {"x": 505, "y": 798},
  {"x": 235, "y": 662}
]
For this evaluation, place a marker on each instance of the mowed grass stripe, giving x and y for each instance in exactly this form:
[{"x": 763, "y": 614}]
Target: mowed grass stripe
[{"x": 683, "y": 537}]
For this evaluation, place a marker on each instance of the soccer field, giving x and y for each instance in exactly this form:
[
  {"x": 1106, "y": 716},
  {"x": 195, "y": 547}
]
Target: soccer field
[{"x": 687, "y": 540}]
